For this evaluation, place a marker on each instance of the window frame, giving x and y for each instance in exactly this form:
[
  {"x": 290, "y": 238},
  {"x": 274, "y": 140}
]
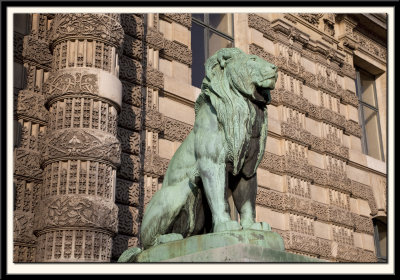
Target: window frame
[
  {"x": 364, "y": 141},
  {"x": 207, "y": 28},
  {"x": 381, "y": 259}
]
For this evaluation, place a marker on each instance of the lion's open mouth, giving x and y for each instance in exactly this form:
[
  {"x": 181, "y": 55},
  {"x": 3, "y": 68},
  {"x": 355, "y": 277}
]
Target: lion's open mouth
[{"x": 263, "y": 94}]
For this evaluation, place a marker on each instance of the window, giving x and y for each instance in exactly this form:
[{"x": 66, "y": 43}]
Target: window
[
  {"x": 380, "y": 236},
  {"x": 209, "y": 33},
  {"x": 369, "y": 115}
]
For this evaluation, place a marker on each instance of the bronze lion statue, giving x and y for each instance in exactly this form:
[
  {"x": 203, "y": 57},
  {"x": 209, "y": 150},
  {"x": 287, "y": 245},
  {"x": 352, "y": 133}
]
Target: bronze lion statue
[{"x": 222, "y": 151}]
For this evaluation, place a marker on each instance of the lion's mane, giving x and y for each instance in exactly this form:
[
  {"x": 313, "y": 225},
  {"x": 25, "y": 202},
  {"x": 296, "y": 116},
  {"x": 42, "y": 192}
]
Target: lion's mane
[{"x": 224, "y": 88}]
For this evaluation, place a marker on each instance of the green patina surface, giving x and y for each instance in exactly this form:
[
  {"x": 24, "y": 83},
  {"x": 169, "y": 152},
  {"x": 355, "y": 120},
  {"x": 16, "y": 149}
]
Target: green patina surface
[{"x": 229, "y": 246}]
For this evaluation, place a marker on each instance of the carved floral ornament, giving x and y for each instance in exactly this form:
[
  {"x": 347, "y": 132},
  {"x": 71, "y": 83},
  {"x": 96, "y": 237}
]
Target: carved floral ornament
[
  {"x": 85, "y": 81},
  {"x": 76, "y": 211},
  {"x": 105, "y": 27},
  {"x": 61, "y": 83},
  {"x": 36, "y": 50},
  {"x": 311, "y": 18},
  {"x": 81, "y": 143},
  {"x": 31, "y": 104}
]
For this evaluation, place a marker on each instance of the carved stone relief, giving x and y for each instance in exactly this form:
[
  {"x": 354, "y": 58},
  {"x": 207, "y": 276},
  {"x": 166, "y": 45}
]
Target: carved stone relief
[
  {"x": 105, "y": 27},
  {"x": 174, "y": 50},
  {"x": 81, "y": 143},
  {"x": 314, "y": 19},
  {"x": 76, "y": 211},
  {"x": 181, "y": 18}
]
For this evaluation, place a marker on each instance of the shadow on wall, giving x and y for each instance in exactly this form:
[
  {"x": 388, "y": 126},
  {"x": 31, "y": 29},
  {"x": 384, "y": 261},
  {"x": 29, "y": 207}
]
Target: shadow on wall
[{"x": 132, "y": 136}]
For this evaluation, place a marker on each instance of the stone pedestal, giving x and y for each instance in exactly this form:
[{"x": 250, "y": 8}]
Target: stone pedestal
[{"x": 230, "y": 246}]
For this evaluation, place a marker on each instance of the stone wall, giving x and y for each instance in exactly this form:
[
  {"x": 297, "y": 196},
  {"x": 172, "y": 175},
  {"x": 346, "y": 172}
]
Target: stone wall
[{"x": 103, "y": 102}]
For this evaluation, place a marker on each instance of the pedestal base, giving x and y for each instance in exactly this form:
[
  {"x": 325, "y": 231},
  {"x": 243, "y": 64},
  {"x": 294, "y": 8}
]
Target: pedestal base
[{"x": 229, "y": 246}]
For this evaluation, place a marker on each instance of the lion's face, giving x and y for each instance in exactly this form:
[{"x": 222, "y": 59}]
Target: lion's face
[{"x": 251, "y": 75}]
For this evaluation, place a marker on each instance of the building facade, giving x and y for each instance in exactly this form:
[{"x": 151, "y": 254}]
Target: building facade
[{"x": 102, "y": 102}]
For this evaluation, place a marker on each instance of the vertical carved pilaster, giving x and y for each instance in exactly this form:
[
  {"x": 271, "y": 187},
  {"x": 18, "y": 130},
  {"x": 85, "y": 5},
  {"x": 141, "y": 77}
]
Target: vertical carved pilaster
[
  {"x": 76, "y": 216},
  {"x": 31, "y": 69}
]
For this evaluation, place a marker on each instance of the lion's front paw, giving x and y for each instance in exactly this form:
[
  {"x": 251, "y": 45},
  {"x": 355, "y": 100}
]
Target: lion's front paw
[
  {"x": 165, "y": 238},
  {"x": 230, "y": 225}
]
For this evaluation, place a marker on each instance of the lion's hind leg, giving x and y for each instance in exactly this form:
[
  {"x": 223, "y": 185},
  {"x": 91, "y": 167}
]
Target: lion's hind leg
[{"x": 161, "y": 213}]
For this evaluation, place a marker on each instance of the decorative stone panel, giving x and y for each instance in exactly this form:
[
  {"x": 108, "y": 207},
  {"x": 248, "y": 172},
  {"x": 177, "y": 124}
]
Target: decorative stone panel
[
  {"x": 261, "y": 24},
  {"x": 127, "y": 192},
  {"x": 102, "y": 27},
  {"x": 174, "y": 50},
  {"x": 76, "y": 211},
  {"x": 183, "y": 19},
  {"x": 88, "y": 144},
  {"x": 175, "y": 130},
  {"x": 30, "y": 105},
  {"x": 36, "y": 51}
]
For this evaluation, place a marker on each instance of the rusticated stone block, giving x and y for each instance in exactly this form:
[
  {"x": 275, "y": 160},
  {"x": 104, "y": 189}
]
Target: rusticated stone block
[
  {"x": 127, "y": 192},
  {"x": 181, "y": 18},
  {"x": 133, "y": 25},
  {"x": 340, "y": 216},
  {"x": 130, "y": 140},
  {"x": 362, "y": 224},
  {"x": 131, "y": 70},
  {"x": 259, "y": 51},
  {"x": 132, "y": 93},
  {"x": 154, "y": 121},
  {"x": 154, "y": 165},
  {"x": 130, "y": 167},
  {"x": 31, "y": 104},
  {"x": 271, "y": 199},
  {"x": 23, "y": 223},
  {"x": 27, "y": 164},
  {"x": 128, "y": 220},
  {"x": 353, "y": 128},
  {"x": 298, "y": 205},
  {"x": 121, "y": 243},
  {"x": 174, "y": 50},
  {"x": 133, "y": 47},
  {"x": 347, "y": 253},
  {"x": 155, "y": 38},
  {"x": 175, "y": 130},
  {"x": 261, "y": 24},
  {"x": 36, "y": 50},
  {"x": 130, "y": 117}
]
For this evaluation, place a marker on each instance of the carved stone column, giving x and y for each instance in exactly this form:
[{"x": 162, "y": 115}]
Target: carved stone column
[
  {"x": 32, "y": 60},
  {"x": 76, "y": 216}
]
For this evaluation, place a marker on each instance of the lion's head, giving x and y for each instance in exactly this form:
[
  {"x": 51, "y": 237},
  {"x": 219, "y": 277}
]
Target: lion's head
[{"x": 232, "y": 82}]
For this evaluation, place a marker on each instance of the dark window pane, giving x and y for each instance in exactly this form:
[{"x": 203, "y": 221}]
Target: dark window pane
[
  {"x": 198, "y": 16},
  {"x": 198, "y": 54},
  {"x": 382, "y": 239},
  {"x": 372, "y": 132},
  {"x": 216, "y": 42},
  {"x": 368, "y": 91},
  {"x": 221, "y": 22}
]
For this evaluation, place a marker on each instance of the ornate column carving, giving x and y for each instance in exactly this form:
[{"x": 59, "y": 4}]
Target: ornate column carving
[
  {"x": 76, "y": 216},
  {"x": 31, "y": 118}
]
